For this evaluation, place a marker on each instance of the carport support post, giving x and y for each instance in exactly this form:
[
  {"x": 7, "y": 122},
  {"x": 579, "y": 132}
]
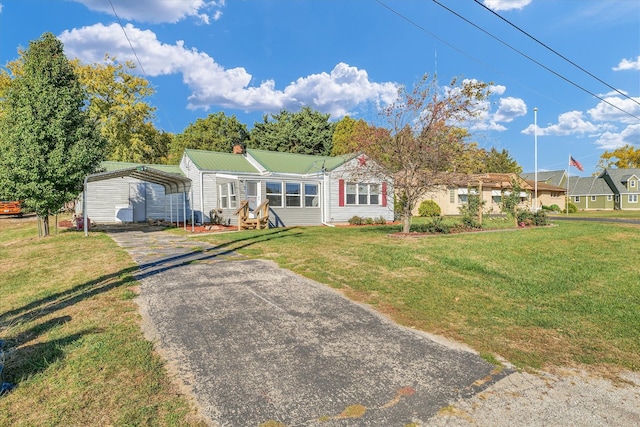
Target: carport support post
[
  {"x": 84, "y": 207},
  {"x": 192, "y": 215},
  {"x": 184, "y": 210}
]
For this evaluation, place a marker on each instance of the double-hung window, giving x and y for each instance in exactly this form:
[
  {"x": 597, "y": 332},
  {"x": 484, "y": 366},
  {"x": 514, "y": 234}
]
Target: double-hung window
[
  {"x": 362, "y": 194},
  {"x": 633, "y": 198},
  {"x": 293, "y": 197},
  {"x": 274, "y": 193},
  {"x": 311, "y": 196},
  {"x": 227, "y": 195}
]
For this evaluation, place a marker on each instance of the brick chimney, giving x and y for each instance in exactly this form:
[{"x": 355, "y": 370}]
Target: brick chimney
[{"x": 237, "y": 149}]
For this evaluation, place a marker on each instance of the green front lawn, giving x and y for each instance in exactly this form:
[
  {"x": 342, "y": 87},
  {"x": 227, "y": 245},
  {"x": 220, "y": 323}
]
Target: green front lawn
[
  {"x": 553, "y": 296},
  {"x": 75, "y": 348}
]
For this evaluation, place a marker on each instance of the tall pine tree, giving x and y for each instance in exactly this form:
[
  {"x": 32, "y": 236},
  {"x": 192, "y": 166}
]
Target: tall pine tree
[{"x": 47, "y": 141}]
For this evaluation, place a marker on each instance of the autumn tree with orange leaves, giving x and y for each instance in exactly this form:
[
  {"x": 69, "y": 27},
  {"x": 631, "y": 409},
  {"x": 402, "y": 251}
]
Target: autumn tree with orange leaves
[{"x": 423, "y": 139}]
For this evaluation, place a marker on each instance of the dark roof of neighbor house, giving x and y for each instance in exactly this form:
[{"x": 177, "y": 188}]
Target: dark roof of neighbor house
[
  {"x": 543, "y": 186},
  {"x": 588, "y": 186},
  {"x": 549, "y": 177},
  {"x": 619, "y": 177},
  {"x": 492, "y": 180},
  {"x": 280, "y": 162},
  {"x": 220, "y": 162}
]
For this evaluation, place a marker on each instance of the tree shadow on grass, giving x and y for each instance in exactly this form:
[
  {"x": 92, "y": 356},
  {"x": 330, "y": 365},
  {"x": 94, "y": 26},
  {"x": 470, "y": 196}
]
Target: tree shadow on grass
[
  {"x": 25, "y": 362},
  {"x": 125, "y": 277}
]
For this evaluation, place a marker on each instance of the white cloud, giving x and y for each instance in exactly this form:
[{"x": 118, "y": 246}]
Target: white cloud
[
  {"x": 0, "y": 7},
  {"x": 497, "y": 89},
  {"x": 156, "y": 11},
  {"x": 605, "y": 111},
  {"x": 612, "y": 140},
  {"x": 506, "y": 4},
  {"x": 571, "y": 123},
  {"x": 628, "y": 64},
  {"x": 344, "y": 88},
  {"x": 509, "y": 108}
]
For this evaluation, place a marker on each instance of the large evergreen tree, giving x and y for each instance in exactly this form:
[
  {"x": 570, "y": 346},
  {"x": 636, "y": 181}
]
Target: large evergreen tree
[
  {"x": 305, "y": 132},
  {"x": 47, "y": 141}
]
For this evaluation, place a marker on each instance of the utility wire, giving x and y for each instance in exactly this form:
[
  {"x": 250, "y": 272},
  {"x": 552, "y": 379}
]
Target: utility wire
[
  {"x": 484, "y": 64},
  {"x": 127, "y": 37},
  {"x": 554, "y": 51},
  {"x": 534, "y": 61},
  {"x": 144, "y": 73}
]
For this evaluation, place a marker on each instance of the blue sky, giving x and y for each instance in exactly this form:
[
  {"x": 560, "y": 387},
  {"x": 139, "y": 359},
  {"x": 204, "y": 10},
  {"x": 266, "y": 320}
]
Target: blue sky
[{"x": 251, "y": 57}]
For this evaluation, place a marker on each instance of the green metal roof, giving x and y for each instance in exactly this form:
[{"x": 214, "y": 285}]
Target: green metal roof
[
  {"x": 220, "y": 162},
  {"x": 279, "y": 162},
  {"x": 110, "y": 166}
]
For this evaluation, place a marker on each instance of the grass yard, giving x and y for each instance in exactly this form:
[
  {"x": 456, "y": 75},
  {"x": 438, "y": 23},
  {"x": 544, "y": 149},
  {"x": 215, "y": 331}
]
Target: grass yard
[
  {"x": 557, "y": 296},
  {"x": 76, "y": 350}
]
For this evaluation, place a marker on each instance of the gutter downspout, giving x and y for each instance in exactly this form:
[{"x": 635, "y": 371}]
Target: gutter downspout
[
  {"x": 84, "y": 206},
  {"x": 325, "y": 198}
]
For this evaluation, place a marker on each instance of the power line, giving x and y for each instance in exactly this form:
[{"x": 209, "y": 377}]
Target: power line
[
  {"x": 555, "y": 52},
  {"x": 534, "y": 61},
  {"x": 503, "y": 42},
  {"x": 127, "y": 37},
  {"x": 484, "y": 64},
  {"x": 134, "y": 51}
]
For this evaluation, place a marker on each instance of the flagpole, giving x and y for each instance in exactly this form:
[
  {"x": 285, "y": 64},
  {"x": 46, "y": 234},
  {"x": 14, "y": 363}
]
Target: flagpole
[
  {"x": 535, "y": 157},
  {"x": 568, "y": 173}
]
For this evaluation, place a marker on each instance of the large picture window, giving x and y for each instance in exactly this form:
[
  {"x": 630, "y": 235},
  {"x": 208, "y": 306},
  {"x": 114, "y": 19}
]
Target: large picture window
[
  {"x": 274, "y": 193},
  {"x": 293, "y": 198}
]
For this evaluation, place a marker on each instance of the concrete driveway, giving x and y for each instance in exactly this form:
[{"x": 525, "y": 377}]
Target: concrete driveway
[{"x": 256, "y": 344}]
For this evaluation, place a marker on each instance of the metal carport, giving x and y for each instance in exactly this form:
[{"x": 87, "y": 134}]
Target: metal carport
[{"x": 172, "y": 183}]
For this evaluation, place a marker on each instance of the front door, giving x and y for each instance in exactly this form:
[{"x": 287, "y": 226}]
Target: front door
[{"x": 252, "y": 193}]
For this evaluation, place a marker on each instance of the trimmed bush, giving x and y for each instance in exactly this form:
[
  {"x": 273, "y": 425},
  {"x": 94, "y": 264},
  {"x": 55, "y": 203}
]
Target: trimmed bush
[
  {"x": 356, "y": 220},
  {"x": 436, "y": 225},
  {"x": 572, "y": 208},
  {"x": 429, "y": 208}
]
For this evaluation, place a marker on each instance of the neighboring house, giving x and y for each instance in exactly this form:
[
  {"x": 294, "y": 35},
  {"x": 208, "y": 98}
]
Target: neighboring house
[
  {"x": 591, "y": 193},
  {"x": 491, "y": 187},
  {"x": 557, "y": 177},
  {"x": 612, "y": 189},
  {"x": 625, "y": 184},
  {"x": 301, "y": 189},
  {"x": 132, "y": 192}
]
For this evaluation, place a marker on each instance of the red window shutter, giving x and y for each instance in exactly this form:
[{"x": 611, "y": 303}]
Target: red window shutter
[
  {"x": 384, "y": 194},
  {"x": 341, "y": 192}
]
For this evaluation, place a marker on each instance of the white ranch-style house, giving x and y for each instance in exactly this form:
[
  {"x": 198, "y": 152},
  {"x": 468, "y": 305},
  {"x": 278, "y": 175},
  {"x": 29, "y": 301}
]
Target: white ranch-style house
[{"x": 301, "y": 189}]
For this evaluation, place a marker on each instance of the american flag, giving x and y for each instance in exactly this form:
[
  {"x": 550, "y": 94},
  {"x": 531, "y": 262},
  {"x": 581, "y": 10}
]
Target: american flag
[{"x": 577, "y": 164}]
